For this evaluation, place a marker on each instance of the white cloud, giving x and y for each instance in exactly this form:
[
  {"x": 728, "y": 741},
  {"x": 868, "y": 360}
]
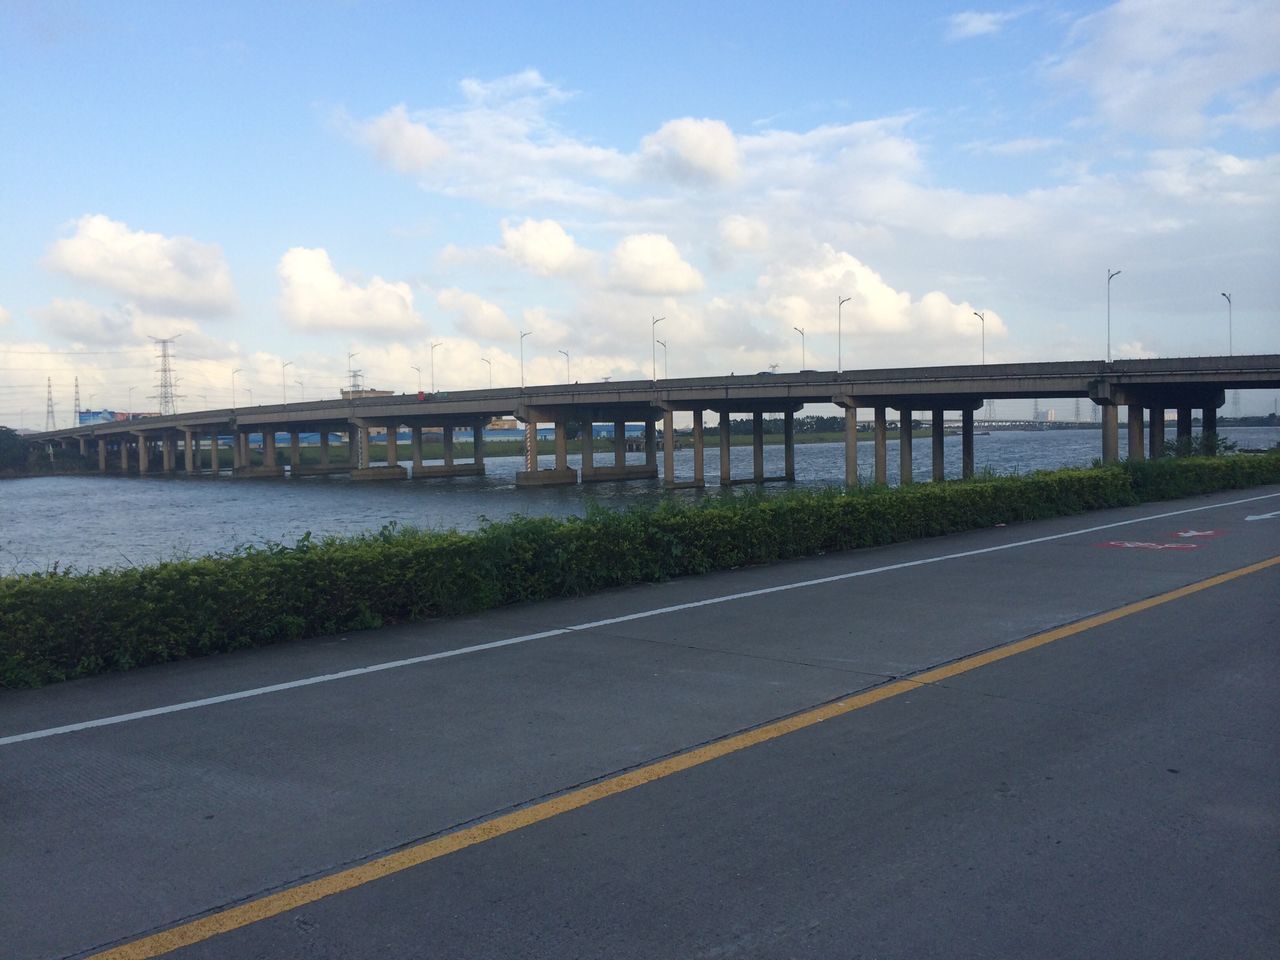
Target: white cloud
[
  {"x": 314, "y": 296},
  {"x": 477, "y": 316},
  {"x": 159, "y": 272},
  {"x": 1178, "y": 69},
  {"x": 83, "y": 322},
  {"x": 542, "y": 246},
  {"x": 400, "y": 143},
  {"x": 1020, "y": 147},
  {"x": 650, "y": 263},
  {"x": 744, "y": 233},
  {"x": 694, "y": 151},
  {"x": 5, "y": 317},
  {"x": 971, "y": 23}
]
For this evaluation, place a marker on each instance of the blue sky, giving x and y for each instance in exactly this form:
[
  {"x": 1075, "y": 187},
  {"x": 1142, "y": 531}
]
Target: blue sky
[{"x": 294, "y": 182}]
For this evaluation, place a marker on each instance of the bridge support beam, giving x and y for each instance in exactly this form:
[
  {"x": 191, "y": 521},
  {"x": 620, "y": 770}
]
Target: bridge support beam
[
  {"x": 124, "y": 454},
  {"x": 699, "y": 448},
  {"x": 1136, "y": 441},
  {"x": 904, "y": 446},
  {"x": 757, "y": 447},
  {"x": 1155, "y": 437},
  {"x": 214, "y": 468},
  {"x": 789, "y": 445},
  {"x": 477, "y": 447},
  {"x": 1110, "y": 433},
  {"x": 937, "y": 436},
  {"x": 189, "y": 448},
  {"x": 1209, "y": 429},
  {"x": 295, "y": 452},
  {"x": 102, "y": 455},
  {"x": 324, "y": 447},
  {"x": 726, "y": 446},
  {"x": 1184, "y": 431},
  {"x": 169, "y": 453},
  {"x": 268, "y": 447},
  {"x": 668, "y": 448},
  {"x": 882, "y": 446},
  {"x": 415, "y": 448},
  {"x": 850, "y": 446},
  {"x": 966, "y": 443},
  {"x": 651, "y": 445},
  {"x": 619, "y": 443},
  {"x": 562, "y": 473},
  {"x": 393, "y": 444}
]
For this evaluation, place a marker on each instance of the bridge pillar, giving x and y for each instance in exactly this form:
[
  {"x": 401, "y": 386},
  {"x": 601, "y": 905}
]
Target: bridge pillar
[
  {"x": 619, "y": 443},
  {"x": 651, "y": 445},
  {"x": 393, "y": 446},
  {"x": 168, "y": 453},
  {"x": 668, "y": 447},
  {"x": 1184, "y": 431},
  {"x": 124, "y": 454},
  {"x": 213, "y": 453},
  {"x": 966, "y": 443},
  {"x": 190, "y": 447},
  {"x": 324, "y": 447},
  {"x": 268, "y": 447},
  {"x": 789, "y": 444},
  {"x": 415, "y": 448},
  {"x": 1155, "y": 438},
  {"x": 937, "y": 438},
  {"x": 531, "y": 446},
  {"x": 295, "y": 451},
  {"x": 1209, "y": 429},
  {"x": 1110, "y": 433},
  {"x": 477, "y": 446},
  {"x": 102, "y": 455},
  {"x": 726, "y": 444},
  {"x": 850, "y": 446},
  {"x": 562, "y": 446},
  {"x": 446, "y": 443},
  {"x": 84, "y": 446},
  {"x": 757, "y": 447},
  {"x": 698, "y": 448},
  {"x": 882, "y": 447},
  {"x": 143, "y": 452},
  {"x": 1135, "y": 433},
  {"x": 904, "y": 446},
  {"x": 586, "y": 431},
  {"x": 362, "y": 445}
]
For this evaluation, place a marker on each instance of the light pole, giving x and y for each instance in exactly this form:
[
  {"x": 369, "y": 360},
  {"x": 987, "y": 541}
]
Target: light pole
[
  {"x": 490, "y": 365},
  {"x": 250, "y": 391},
  {"x": 233, "y": 387},
  {"x": 983, "y": 318},
  {"x": 1111, "y": 275},
  {"x": 1230, "y": 346},
  {"x": 284, "y": 386},
  {"x": 302, "y": 391},
  {"x": 653, "y": 342},
  {"x": 566, "y": 365},
  {"x": 130, "y": 411},
  {"x": 419, "y": 369},
  {"x": 840, "y": 302},
  {"x": 801, "y": 332},
  {"x": 433, "y": 366},
  {"x": 666, "y": 371},
  {"x": 523, "y": 334}
]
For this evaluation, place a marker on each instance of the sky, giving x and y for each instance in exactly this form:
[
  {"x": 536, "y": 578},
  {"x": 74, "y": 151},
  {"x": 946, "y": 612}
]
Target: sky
[{"x": 281, "y": 186}]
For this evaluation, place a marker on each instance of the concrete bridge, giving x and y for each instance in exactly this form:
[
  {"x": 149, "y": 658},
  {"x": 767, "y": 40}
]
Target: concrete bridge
[{"x": 1146, "y": 388}]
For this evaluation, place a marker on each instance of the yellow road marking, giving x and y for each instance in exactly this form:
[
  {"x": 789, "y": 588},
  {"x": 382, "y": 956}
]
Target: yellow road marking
[{"x": 271, "y": 905}]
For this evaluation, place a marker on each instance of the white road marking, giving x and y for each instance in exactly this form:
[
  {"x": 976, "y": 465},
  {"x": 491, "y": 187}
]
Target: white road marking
[
  {"x": 594, "y": 624},
  {"x": 1265, "y": 516}
]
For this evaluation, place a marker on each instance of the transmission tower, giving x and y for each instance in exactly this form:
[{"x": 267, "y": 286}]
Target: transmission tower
[
  {"x": 164, "y": 389},
  {"x": 76, "y": 421},
  {"x": 49, "y": 422}
]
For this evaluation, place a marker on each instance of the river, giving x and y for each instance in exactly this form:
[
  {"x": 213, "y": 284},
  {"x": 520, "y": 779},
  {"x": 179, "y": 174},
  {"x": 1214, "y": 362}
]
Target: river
[{"x": 90, "y": 522}]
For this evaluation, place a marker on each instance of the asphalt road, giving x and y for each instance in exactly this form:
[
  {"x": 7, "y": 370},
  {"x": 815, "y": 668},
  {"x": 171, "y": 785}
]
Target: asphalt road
[{"x": 640, "y": 773}]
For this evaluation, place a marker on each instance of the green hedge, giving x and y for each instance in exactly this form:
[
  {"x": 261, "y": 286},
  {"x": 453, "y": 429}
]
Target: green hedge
[{"x": 56, "y": 626}]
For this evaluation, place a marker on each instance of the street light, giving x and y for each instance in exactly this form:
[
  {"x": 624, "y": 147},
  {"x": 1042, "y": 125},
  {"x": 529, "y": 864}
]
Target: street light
[
  {"x": 567, "y": 378},
  {"x": 490, "y": 363},
  {"x": 1111, "y": 275},
  {"x": 419, "y": 369},
  {"x": 302, "y": 394},
  {"x": 233, "y": 387},
  {"x": 433, "y": 366},
  {"x": 666, "y": 372},
  {"x": 130, "y": 412},
  {"x": 653, "y": 343},
  {"x": 523, "y": 334},
  {"x": 1230, "y": 346},
  {"x": 284, "y": 387},
  {"x": 983, "y": 318},
  {"x": 801, "y": 332},
  {"x": 840, "y": 302}
]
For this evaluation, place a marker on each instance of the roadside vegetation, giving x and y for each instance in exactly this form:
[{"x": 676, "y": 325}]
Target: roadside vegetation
[{"x": 59, "y": 625}]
